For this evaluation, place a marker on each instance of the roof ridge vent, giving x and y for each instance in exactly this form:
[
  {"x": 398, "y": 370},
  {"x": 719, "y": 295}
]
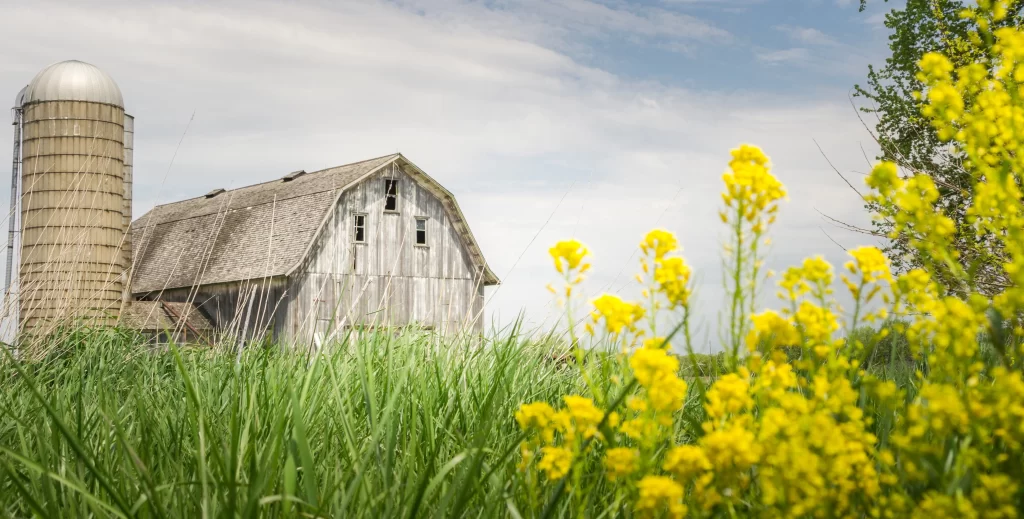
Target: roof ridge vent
[
  {"x": 293, "y": 175},
  {"x": 215, "y": 192}
]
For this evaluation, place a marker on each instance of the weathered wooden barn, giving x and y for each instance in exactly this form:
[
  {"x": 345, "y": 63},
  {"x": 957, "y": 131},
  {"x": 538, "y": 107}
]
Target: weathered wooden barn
[
  {"x": 377, "y": 243},
  {"x": 162, "y": 322}
]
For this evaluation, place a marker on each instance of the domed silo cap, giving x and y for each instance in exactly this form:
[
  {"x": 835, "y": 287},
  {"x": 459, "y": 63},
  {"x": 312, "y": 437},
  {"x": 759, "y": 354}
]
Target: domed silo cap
[{"x": 73, "y": 81}]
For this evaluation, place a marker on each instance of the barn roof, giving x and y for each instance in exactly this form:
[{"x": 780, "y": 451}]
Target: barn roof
[{"x": 258, "y": 231}]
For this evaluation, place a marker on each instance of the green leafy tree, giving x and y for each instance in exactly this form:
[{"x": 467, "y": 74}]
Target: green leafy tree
[{"x": 907, "y": 138}]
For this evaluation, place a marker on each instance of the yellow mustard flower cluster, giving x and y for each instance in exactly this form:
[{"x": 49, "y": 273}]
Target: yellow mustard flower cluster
[
  {"x": 910, "y": 204},
  {"x": 617, "y": 315},
  {"x": 570, "y": 259},
  {"x": 751, "y": 188},
  {"x": 660, "y": 497},
  {"x": 659, "y": 243},
  {"x": 668, "y": 274},
  {"x": 802, "y": 423},
  {"x": 559, "y": 436},
  {"x": 569, "y": 255},
  {"x": 662, "y": 392}
]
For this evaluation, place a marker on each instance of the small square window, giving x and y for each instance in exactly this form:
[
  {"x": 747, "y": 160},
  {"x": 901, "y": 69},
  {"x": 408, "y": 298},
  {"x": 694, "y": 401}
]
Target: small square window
[
  {"x": 421, "y": 231},
  {"x": 390, "y": 194},
  {"x": 359, "y": 228}
]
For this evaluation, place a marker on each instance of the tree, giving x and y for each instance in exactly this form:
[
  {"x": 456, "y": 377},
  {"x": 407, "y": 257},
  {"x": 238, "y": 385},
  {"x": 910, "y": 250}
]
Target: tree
[{"x": 907, "y": 138}]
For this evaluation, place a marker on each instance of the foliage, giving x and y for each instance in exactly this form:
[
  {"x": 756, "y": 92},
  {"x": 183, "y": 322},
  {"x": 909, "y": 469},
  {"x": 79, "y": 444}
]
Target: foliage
[
  {"x": 889, "y": 346},
  {"x": 704, "y": 365},
  {"x": 816, "y": 434},
  {"x": 908, "y": 139},
  {"x": 381, "y": 427}
]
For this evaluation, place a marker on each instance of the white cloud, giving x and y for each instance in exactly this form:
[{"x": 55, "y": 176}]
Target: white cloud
[
  {"x": 787, "y": 56},
  {"x": 477, "y": 96},
  {"x": 807, "y": 35}
]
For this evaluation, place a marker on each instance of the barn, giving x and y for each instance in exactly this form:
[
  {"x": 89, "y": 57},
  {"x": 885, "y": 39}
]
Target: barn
[{"x": 304, "y": 257}]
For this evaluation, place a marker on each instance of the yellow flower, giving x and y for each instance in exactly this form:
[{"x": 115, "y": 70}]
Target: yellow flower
[
  {"x": 730, "y": 394},
  {"x": 536, "y": 415},
  {"x": 660, "y": 496},
  {"x": 660, "y": 242},
  {"x": 640, "y": 429},
  {"x": 673, "y": 278},
  {"x": 797, "y": 439},
  {"x": 731, "y": 449},
  {"x": 667, "y": 394},
  {"x": 617, "y": 314},
  {"x": 773, "y": 330},
  {"x": 885, "y": 178},
  {"x": 814, "y": 273},
  {"x": 750, "y": 187},
  {"x": 620, "y": 462},
  {"x": 649, "y": 365},
  {"x": 934, "y": 67},
  {"x": 584, "y": 413},
  {"x": 555, "y": 462},
  {"x": 686, "y": 461},
  {"x": 656, "y": 343},
  {"x": 817, "y": 323},
  {"x": 568, "y": 255},
  {"x": 871, "y": 263},
  {"x": 994, "y": 493},
  {"x": 774, "y": 379}
]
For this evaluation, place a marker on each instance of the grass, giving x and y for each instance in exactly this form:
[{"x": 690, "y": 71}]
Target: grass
[{"x": 384, "y": 427}]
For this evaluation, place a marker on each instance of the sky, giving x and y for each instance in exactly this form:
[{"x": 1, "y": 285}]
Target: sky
[{"x": 548, "y": 119}]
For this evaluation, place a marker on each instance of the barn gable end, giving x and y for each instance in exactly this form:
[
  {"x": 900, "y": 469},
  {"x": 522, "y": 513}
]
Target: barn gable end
[{"x": 388, "y": 279}]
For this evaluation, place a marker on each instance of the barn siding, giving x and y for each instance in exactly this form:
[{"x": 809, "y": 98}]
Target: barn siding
[
  {"x": 241, "y": 311},
  {"x": 389, "y": 280}
]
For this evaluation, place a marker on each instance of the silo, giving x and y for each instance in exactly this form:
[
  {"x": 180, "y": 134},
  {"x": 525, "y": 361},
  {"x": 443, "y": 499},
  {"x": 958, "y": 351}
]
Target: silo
[{"x": 72, "y": 203}]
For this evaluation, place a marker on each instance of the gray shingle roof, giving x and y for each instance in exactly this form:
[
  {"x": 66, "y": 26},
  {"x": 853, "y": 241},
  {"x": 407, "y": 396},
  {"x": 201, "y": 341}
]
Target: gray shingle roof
[{"x": 251, "y": 232}]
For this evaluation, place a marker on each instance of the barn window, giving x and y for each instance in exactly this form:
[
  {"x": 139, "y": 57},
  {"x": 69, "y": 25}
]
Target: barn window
[
  {"x": 359, "y": 228},
  {"x": 390, "y": 194},
  {"x": 421, "y": 231}
]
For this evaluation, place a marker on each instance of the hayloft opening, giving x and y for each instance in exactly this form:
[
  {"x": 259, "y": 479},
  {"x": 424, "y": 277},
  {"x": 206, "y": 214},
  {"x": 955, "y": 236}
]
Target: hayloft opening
[{"x": 390, "y": 194}]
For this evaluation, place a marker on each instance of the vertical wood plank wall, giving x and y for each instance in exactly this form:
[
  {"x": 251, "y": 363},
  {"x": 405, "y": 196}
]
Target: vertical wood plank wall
[
  {"x": 244, "y": 310},
  {"x": 389, "y": 280}
]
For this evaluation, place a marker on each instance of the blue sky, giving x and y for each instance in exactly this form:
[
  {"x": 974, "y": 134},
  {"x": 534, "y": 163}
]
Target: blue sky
[
  {"x": 766, "y": 46},
  {"x": 546, "y": 118}
]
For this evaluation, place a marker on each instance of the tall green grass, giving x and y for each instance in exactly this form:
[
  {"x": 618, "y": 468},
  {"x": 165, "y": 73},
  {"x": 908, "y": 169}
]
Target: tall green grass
[
  {"x": 387, "y": 426},
  {"x": 405, "y": 425}
]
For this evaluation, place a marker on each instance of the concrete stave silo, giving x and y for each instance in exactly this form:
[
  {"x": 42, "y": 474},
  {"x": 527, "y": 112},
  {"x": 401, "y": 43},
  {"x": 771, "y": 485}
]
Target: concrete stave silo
[{"x": 72, "y": 198}]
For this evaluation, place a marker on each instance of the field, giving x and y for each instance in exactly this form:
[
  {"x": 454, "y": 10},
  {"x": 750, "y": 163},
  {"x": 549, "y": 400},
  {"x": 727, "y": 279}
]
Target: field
[
  {"x": 908, "y": 403},
  {"x": 388, "y": 426}
]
